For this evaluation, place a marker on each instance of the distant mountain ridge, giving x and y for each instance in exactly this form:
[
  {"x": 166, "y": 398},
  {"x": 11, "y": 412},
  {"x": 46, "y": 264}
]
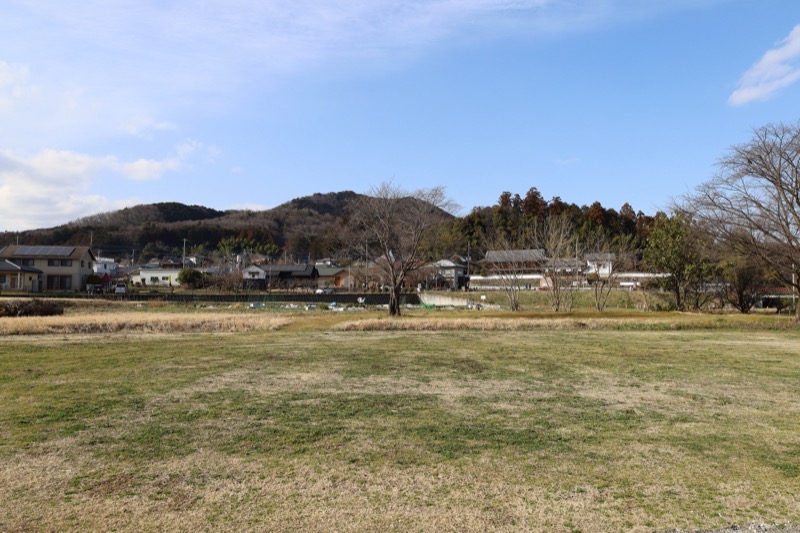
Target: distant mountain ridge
[{"x": 300, "y": 226}]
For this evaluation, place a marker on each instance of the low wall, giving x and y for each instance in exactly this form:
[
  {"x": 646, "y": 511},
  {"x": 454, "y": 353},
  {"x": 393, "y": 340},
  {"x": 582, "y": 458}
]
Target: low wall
[{"x": 441, "y": 300}]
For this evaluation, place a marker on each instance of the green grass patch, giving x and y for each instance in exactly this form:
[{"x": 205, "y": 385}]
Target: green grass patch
[{"x": 312, "y": 428}]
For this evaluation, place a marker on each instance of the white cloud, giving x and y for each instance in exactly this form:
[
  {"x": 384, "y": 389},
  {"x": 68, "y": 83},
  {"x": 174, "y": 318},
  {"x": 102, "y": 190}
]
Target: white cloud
[
  {"x": 146, "y": 169},
  {"x": 54, "y": 186},
  {"x": 778, "y": 68},
  {"x": 143, "y": 127}
]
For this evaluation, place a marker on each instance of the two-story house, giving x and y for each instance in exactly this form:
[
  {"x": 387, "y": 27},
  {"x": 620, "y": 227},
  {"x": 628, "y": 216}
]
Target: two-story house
[{"x": 63, "y": 268}]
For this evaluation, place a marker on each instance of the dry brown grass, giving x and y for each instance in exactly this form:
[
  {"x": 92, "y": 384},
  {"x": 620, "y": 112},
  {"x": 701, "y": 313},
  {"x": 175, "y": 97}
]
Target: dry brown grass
[
  {"x": 149, "y": 322},
  {"x": 565, "y": 322},
  {"x": 645, "y": 430}
]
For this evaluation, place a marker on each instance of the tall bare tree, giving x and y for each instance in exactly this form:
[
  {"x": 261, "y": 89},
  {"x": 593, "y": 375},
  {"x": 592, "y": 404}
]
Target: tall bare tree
[
  {"x": 510, "y": 264},
  {"x": 611, "y": 256},
  {"x": 754, "y": 200},
  {"x": 557, "y": 235},
  {"x": 390, "y": 224},
  {"x": 547, "y": 246}
]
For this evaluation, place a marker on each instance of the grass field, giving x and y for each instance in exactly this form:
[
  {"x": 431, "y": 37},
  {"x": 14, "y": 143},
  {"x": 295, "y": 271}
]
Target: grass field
[{"x": 325, "y": 421}]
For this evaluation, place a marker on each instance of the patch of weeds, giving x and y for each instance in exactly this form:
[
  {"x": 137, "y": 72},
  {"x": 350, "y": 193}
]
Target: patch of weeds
[
  {"x": 703, "y": 444},
  {"x": 787, "y": 461},
  {"x": 459, "y": 365},
  {"x": 455, "y": 437},
  {"x": 156, "y": 440},
  {"x": 65, "y": 414}
]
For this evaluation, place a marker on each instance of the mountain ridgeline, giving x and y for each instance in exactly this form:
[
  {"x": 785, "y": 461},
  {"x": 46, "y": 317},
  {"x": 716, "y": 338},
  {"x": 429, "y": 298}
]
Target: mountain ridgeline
[
  {"x": 305, "y": 228},
  {"x": 299, "y": 227}
]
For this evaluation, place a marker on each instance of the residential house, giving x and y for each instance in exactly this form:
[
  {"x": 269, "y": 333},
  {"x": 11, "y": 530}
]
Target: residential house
[
  {"x": 333, "y": 277},
  {"x": 156, "y": 277},
  {"x": 599, "y": 265},
  {"x": 105, "y": 265},
  {"x": 515, "y": 261},
  {"x": 448, "y": 274},
  {"x": 19, "y": 278},
  {"x": 254, "y": 278},
  {"x": 523, "y": 268},
  {"x": 63, "y": 268},
  {"x": 261, "y": 277}
]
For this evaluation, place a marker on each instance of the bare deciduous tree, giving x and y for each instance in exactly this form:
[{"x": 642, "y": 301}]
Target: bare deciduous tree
[
  {"x": 557, "y": 235},
  {"x": 547, "y": 246},
  {"x": 611, "y": 255},
  {"x": 509, "y": 263},
  {"x": 754, "y": 200},
  {"x": 390, "y": 223}
]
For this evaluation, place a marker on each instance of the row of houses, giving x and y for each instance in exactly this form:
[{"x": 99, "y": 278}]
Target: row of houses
[
  {"x": 533, "y": 269},
  {"x": 67, "y": 268}
]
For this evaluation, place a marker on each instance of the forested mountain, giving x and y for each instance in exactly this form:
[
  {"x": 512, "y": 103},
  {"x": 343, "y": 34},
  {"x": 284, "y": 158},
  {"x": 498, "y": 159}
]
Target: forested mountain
[
  {"x": 306, "y": 227},
  {"x": 300, "y": 226}
]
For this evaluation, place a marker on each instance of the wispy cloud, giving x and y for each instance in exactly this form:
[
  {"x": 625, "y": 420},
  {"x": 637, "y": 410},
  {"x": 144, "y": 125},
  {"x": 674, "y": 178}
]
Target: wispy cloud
[
  {"x": 144, "y": 127},
  {"x": 99, "y": 68},
  {"x": 569, "y": 161},
  {"x": 778, "y": 68},
  {"x": 219, "y": 43},
  {"x": 14, "y": 85}
]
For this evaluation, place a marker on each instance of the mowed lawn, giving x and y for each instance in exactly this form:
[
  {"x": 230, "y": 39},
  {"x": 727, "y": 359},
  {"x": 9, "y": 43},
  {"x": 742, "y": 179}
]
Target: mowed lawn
[{"x": 310, "y": 427}]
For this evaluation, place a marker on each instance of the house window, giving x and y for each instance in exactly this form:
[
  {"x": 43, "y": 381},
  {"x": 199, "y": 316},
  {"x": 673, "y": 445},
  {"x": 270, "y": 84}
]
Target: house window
[
  {"x": 164, "y": 278},
  {"x": 82, "y": 263},
  {"x": 59, "y": 262},
  {"x": 59, "y": 283},
  {"x": 2, "y": 279},
  {"x": 26, "y": 262}
]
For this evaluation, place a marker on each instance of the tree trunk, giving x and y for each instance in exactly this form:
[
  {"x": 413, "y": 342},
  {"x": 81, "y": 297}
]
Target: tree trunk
[
  {"x": 796, "y": 307},
  {"x": 394, "y": 301}
]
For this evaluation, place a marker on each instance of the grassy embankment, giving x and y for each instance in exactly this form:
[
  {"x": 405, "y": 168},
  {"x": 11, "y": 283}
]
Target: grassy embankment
[{"x": 439, "y": 421}]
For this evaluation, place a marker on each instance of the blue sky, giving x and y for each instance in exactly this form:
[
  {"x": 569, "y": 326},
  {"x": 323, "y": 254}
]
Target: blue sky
[{"x": 247, "y": 104}]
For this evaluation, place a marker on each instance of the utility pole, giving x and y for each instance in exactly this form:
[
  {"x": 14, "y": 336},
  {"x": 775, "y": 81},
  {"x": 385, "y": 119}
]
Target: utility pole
[{"x": 183, "y": 262}]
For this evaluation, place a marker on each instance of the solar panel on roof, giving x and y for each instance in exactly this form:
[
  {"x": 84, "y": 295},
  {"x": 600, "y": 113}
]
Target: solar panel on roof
[{"x": 45, "y": 251}]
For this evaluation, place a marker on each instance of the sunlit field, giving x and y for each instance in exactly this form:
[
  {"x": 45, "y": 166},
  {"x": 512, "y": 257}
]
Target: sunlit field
[{"x": 174, "y": 419}]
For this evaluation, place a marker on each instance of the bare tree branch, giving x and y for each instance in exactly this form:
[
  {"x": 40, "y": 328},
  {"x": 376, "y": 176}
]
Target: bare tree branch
[
  {"x": 390, "y": 224},
  {"x": 754, "y": 200}
]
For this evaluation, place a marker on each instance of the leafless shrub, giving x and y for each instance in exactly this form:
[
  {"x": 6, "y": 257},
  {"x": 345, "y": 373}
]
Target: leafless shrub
[{"x": 35, "y": 307}]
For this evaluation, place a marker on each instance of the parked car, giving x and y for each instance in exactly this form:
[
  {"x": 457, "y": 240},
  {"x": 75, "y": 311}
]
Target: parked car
[{"x": 120, "y": 288}]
